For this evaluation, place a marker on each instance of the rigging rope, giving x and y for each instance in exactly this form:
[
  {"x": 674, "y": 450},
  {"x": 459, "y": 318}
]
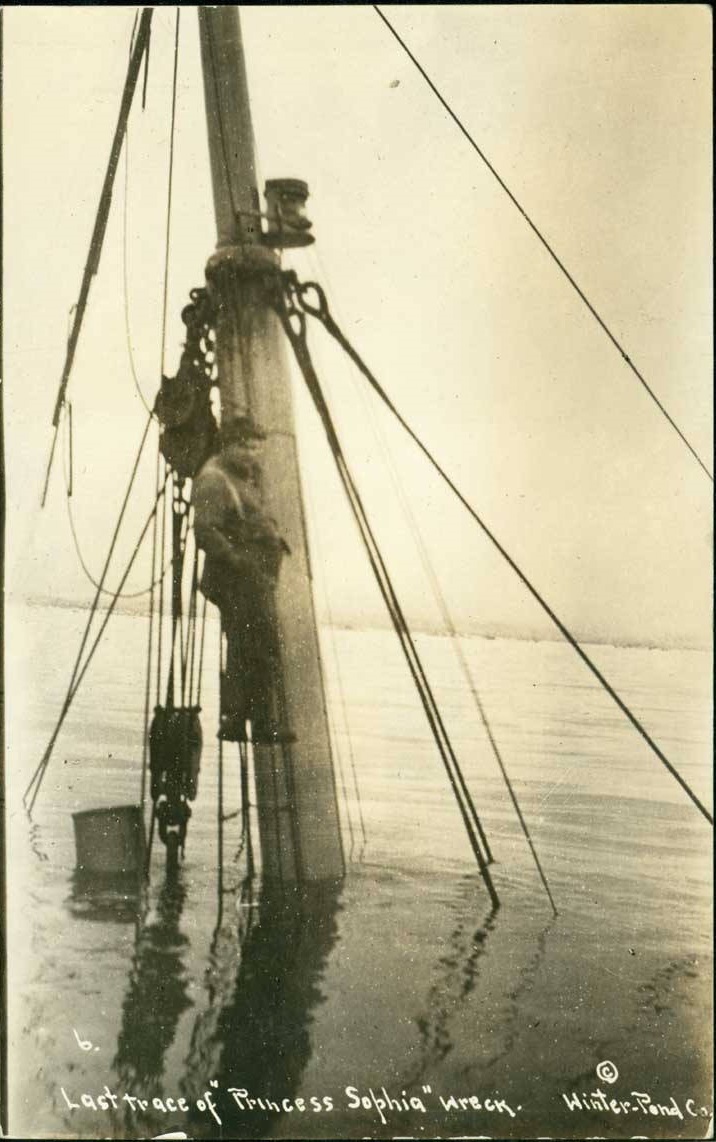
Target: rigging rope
[
  {"x": 201, "y": 652},
  {"x": 125, "y": 280},
  {"x": 468, "y": 675},
  {"x": 169, "y": 194},
  {"x": 177, "y": 548},
  {"x": 70, "y": 448},
  {"x": 180, "y": 535},
  {"x": 90, "y": 577},
  {"x": 146, "y": 72},
  {"x": 161, "y": 590},
  {"x": 78, "y": 674},
  {"x": 67, "y": 410},
  {"x": 134, "y": 28},
  {"x": 92, "y": 263},
  {"x": 113, "y": 542},
  {"x": 148, "y": 686},
  {"x": 320, "y": 311},
  {"x": 191, "y": 632},
  {"x": 464, "y": 801},
  {"x": 341, "y": 693},
  {"x": 600, "y": 321},
  {"x": 220, "y": 791},
  {"x": 455, "y": 638},
  {"x": 138, "y": 46}
]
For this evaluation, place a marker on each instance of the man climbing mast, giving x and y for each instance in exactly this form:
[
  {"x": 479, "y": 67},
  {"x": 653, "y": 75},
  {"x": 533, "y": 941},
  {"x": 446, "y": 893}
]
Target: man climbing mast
[{"x": 244, "y": 552}]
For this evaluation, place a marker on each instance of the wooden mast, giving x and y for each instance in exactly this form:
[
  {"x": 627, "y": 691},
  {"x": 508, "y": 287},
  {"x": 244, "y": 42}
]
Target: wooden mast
[{"x": 295, "y": 785}]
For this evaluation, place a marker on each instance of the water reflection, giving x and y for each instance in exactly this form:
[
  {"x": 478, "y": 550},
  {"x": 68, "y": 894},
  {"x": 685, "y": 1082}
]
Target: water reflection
[
  {"x": 234, "y": 921},
  {"x": 260, "y": 1036},
  {"x": 456, "y": 975},
  {"x": 263, "y": 979},
  {"x": 105, "y": 897},
  {"x": 156, "y": 997}
]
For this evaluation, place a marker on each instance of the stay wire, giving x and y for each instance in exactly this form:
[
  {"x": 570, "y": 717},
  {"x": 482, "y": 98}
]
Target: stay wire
[
  {"x": 410, "y": 650},
  {"x": 146, "y": 71},
  {"x": 141, "y": 30},
  {"x": 424, "y": 691},
  {"x": 166, "y": 471},
  {"x": 558, "y": 262},
  {"x": 243, "y": 810},
  {"x": 220, "y": 796},
  {"x": 77, "y": 678},
  {"x": 48, "y": 470},
  {"x": 190, "y": 641},
  {"x": 170, "y": 678},
  {"x": 177, "y": 560},
  {"x": 342, "y": 777},
  {"x": 78, "y": 547},
  {"x": 334, "y": 648},
  {"x": 314, "y": 253},
  {"x": 125, "y": 279},
  {"x": 324, "y": 316},
  {"x": 383, "y": 579},
  {"x": 170, "y": 181},
  {"x": 102, "y": 215},
  {"x": 193, "y": 622},
  {"x": 452, "y": 767},
  {"x": 90, "y": 577},
  {"x": 148, "y": 686},
  {"x": 70, "y": 448},
  {"x": 441, "y": 601},
  {"x": 66, "y": 418},
  {"x": 468, "y": 675},
  {"x": 201, "y": 652},
  {"x": 150, "y": 843},
  {"x": 184, "y": 630},
  {"x": 184, "y": 619},
  {"x": 134, "y": 29},
  {"x": 113, "y": 543}
]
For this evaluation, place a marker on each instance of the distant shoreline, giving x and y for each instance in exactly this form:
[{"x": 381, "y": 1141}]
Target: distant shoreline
[{"x": 139, "y": 610}]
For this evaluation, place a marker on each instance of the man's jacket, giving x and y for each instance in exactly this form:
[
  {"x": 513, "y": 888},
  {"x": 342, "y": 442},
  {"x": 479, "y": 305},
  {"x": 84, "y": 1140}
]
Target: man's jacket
[{"x": 229, "y": 503}]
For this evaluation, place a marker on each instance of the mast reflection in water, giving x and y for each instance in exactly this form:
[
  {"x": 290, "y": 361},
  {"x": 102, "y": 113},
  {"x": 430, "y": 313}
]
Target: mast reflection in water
[
  {"x": 260, "y": 1040},
  {"x": 262, "y": 982}
]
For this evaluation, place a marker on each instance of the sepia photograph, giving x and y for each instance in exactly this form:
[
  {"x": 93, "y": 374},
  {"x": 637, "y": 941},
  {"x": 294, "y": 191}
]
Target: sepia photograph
[{"x": 358, "y": 557}]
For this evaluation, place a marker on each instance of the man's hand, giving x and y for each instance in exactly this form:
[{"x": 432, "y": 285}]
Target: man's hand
[{"x": 213, "y": 541}]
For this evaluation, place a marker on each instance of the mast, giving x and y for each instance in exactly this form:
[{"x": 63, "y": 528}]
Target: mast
[{"x": 295, "y": 784}]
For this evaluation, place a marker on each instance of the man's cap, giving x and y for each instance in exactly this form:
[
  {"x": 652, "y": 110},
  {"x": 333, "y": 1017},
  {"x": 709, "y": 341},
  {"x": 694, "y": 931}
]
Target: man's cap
[{"x": 241, "y": 430}]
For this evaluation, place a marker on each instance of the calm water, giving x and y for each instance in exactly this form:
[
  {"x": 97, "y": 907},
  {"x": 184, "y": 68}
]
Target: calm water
[{"x": 403, "y": 978}]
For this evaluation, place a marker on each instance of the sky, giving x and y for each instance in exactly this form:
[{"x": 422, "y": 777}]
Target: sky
[{"x": 597, "y": 117}]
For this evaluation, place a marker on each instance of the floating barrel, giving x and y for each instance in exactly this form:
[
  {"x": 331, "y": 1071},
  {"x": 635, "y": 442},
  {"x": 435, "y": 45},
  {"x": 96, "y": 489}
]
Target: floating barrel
[{"x": 110, "y": 840}]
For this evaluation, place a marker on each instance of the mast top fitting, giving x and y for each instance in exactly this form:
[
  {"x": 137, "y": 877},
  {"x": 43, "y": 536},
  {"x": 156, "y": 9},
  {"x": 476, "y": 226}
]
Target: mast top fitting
[{"x": 287, "y": 225}]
